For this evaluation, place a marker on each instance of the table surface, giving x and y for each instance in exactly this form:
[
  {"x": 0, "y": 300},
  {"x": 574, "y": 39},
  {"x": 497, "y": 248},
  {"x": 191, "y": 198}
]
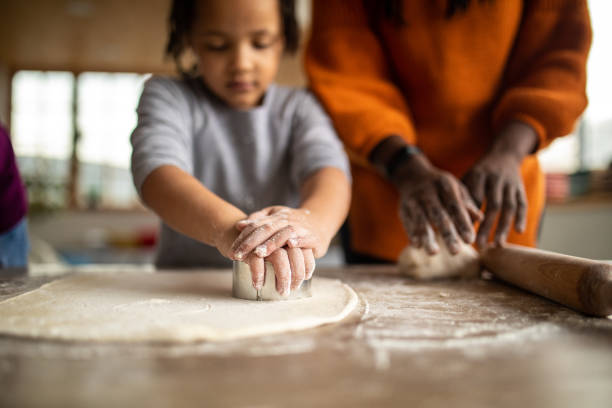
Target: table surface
[{"x": 445, "y": 343}]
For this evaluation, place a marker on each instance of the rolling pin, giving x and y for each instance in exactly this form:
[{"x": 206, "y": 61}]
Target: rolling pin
[{"x": 581, "y": 284}]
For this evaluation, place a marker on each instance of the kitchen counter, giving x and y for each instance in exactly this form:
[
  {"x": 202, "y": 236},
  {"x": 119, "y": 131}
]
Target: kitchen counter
[{"x": 446, "y": 343}]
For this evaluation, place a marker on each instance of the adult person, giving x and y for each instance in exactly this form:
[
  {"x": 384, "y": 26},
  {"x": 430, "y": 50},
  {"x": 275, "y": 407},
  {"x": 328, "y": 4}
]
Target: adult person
[{"x": 442, "y": 106}]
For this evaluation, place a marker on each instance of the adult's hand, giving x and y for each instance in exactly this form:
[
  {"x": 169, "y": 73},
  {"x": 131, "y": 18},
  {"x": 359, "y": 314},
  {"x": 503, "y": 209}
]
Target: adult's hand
[
  {"x": 433, "y": 199},
  {"x": 496, "y": 182}
]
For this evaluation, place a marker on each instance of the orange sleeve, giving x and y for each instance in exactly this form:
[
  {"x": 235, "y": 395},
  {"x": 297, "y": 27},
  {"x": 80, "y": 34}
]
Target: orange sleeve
[
  {"x": 347, "y": 69},
  {"x": 545, "y": 82}
]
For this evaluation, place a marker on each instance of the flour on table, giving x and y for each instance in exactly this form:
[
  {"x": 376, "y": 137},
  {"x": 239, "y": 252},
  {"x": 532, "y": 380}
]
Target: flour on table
[
  {"x": 418, "y": 264},
  {"x": 164, "y": 307}
]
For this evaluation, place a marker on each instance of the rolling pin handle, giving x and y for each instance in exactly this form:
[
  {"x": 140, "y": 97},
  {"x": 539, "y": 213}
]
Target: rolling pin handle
[
  {"x": 595, "y": 290},
  {"x": 582, "y": 284}
]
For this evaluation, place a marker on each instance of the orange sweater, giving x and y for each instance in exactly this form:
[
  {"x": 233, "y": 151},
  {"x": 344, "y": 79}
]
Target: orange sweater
[{"x": 446, "y": 85}]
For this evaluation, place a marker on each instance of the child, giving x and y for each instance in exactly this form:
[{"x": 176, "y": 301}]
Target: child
[
  {"x": 14, "y": 243},
  {"x": 224, "y": 142}
]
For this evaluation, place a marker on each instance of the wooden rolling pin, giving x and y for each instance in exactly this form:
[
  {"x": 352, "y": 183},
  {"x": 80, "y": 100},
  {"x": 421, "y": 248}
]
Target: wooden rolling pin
[{"x": 581, "y": 284}]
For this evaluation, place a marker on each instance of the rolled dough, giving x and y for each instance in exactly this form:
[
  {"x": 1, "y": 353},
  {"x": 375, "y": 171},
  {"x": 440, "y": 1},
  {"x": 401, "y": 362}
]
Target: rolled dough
[
  {"x": 164, "y": 307},
  {"x": 418, "y": 264}
]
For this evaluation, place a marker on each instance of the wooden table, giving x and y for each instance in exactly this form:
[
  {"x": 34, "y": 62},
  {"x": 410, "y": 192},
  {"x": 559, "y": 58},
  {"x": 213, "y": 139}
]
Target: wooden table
[{"x": 448, "y": 344}]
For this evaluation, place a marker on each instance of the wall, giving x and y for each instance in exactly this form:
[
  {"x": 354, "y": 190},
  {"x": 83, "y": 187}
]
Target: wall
[
  {"x": 78, "y": 35},
  {"x": 4, "y": 94},
  {"x": 99, "y": 35},
  {"x": 580, "y": 229}
]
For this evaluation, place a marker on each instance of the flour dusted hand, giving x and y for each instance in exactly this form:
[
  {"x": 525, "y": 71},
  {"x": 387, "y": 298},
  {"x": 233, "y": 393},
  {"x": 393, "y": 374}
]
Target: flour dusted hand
[
  {"x": 495, "y": 181},
  {"x": 434, "y": 200},
  {"x": 275, "y": 227},
  {"x": 284, "y": 236}
]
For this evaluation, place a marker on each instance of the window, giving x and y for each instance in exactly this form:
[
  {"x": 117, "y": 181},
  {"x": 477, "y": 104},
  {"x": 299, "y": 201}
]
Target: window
[
  {"x": 42, "y": 106},
  {"x": 597, "y": 135},
  {"x": 590, "y": 147},
  {"x": 42, "y": 129},
  {"x": 106, "y": 116}
]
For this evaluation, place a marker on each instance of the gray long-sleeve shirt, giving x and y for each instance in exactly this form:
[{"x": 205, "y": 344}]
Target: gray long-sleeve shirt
[{"x": 252, "y": 159}]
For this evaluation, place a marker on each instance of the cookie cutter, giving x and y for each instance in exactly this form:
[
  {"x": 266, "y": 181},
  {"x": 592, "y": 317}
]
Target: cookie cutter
[{"x": 242, "y": 286}]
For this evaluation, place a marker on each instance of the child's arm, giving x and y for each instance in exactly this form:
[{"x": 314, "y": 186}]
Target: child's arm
[
  {"x": 190, "y": 208},
  {"x": 325, "y": 201},
  {"x": 320, "y": 167},
  {"x": 327, "y": 195}
]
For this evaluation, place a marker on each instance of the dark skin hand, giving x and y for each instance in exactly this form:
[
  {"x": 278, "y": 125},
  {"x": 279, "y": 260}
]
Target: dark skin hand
[
  {"x": 430, "y": 199},
  {"x": 435, "y": 200},
  {"x": 495, "y": 181}
]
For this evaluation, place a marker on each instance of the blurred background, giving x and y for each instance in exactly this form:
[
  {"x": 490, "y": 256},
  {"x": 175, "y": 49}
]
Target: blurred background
[{"x": 71, "y": 72}]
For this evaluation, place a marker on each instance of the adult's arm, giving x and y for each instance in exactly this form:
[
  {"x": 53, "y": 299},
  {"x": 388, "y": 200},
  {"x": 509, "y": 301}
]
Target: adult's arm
[
  {"x": 543, "y": 96},
  {"x": 348, "y": 71},
  {"x": 545, "y": 81}
]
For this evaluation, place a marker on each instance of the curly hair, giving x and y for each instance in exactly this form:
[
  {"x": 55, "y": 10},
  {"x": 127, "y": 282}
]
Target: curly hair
[{"x": 180, "y": 24}]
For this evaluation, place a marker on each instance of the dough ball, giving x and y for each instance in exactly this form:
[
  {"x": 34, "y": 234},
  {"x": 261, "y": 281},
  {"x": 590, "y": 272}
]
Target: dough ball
[{"x": 418, "y": 264}]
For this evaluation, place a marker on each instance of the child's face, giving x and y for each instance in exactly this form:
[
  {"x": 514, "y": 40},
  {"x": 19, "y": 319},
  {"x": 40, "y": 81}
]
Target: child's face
[{"x": 238, "y": 44}]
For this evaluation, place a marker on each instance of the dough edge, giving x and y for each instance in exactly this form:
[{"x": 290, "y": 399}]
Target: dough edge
[{"x": 182, "y": 335}]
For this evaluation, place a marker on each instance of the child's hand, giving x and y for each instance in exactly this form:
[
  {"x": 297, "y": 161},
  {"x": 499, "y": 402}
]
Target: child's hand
[
  {"x": 291, "y": 267},
  {"x": 285, "y": 237},
  {"x": 224, "y": 245},
  {"x": 267, "y": 230}
]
